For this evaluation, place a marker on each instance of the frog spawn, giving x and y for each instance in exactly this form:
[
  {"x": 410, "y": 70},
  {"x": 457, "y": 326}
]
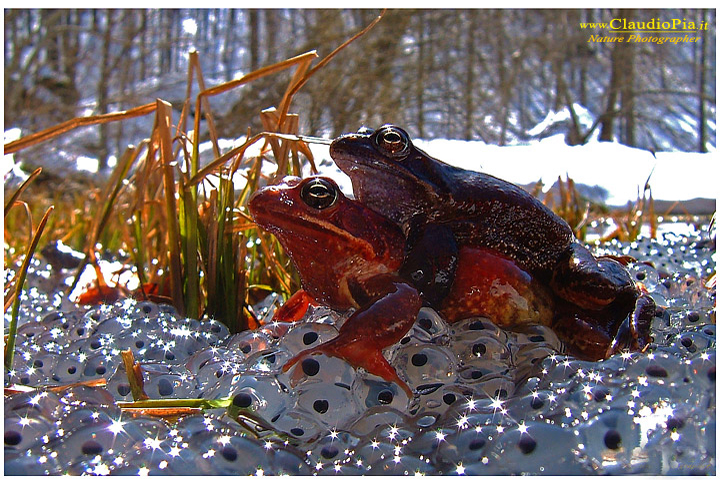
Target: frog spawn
[{"x": 489, "y": 401}]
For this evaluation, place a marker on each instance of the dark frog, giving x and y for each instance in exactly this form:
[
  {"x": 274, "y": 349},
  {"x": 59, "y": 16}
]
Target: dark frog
[{"x": 597, "y": 307}]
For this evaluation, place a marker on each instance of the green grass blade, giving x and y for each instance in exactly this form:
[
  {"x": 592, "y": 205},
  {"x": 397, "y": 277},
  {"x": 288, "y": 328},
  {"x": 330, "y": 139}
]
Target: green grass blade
[{"x": 12, "y": 331}]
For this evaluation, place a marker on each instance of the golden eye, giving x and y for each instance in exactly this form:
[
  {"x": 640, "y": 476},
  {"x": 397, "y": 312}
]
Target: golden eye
[
  {"x": 393, "y": 141},
  {"x": 319, "y": 193}
]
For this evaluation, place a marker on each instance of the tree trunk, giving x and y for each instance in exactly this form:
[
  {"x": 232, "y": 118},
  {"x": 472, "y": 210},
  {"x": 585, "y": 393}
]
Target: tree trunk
[
  {"x": 702, "y": 128},
  {"x": 627, "y": 89},
  {"x": 143, "y": 44},
  {"x": 229, "y": 48},
  {"x": 469, "y": 87},
  {"x": 103, "y": 88},
  {"x": 422, "y": 27},
  {"x": 620, "y": 88},
  {"x": 254, "y": 32},
  {"x": 271, "y": 35},
  {"x": 607, "y": 125}
]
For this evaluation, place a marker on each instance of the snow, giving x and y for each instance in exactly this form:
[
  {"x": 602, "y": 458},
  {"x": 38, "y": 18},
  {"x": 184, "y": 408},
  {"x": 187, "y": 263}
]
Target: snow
[
  {"x": 9, "y": 167},
  {"x": 88, "y": 164},
  {"x": 584, "y": 116},
  {"x": 621, "y": 170},
  {"x": 189, "y": 26}
]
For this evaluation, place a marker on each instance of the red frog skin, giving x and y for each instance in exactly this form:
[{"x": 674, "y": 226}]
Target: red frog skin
[{"x": 350, "y": 257}]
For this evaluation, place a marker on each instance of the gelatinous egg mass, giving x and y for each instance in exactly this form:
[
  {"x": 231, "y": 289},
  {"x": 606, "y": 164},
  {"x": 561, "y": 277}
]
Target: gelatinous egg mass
[{"x": 489, "y": 401}]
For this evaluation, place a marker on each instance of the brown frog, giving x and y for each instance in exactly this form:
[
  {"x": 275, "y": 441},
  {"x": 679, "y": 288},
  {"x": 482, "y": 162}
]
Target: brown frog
[{"x": 599, "y": 309}]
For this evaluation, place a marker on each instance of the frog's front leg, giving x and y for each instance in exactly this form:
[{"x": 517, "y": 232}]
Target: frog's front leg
[
  {"x": 375, "y": 326},
  {"x": 431, "y": 261}
]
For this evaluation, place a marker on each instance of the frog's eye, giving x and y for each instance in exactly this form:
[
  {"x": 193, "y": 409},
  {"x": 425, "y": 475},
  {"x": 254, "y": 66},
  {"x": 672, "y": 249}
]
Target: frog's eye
[
  {"x": 393, "y": 141},
  {"x": 319, "y": 193}
]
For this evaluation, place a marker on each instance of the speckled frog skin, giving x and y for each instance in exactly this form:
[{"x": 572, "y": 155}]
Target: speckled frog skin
[{"x": 441, "y": 208}]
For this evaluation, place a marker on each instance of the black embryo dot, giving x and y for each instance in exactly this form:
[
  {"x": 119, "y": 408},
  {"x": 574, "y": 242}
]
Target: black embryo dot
[
  {"x": 310, "y": 338},
  {"x": 419, "y": 359},
  {"x": 612, "y": 439},
  {"x": 310, "y": 366},
  {"x": 321, "y": 406},
  {"x": 242, "y": 400},
  {"x": 12, "y": 438},
  {"x": 527, "y": 444}
]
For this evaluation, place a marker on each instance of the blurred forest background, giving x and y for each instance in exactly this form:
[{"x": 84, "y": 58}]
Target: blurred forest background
[{"x": 490, "y": 75}]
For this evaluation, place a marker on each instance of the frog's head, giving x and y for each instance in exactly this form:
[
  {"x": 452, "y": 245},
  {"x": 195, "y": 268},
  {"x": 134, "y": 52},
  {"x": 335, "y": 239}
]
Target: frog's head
[
  {"x": 334, "y": 242},
  {"x": 389, "y": 174}
]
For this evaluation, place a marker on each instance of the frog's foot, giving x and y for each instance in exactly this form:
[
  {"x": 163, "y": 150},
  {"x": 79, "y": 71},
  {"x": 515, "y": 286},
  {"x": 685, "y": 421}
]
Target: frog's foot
[
  {"x": 295, "y": 307},
  {"x": 358, "y": 354},
  {"x": 634, "y": 331}
]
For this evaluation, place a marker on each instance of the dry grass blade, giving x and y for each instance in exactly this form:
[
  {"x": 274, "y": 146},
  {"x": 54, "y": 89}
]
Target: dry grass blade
[
  {"x": 95, "y": 382},
  {"x": 13, "y": 389},
  {"x": 176, "y": 403},
  {"x": 16, "y": 195},
  {"x": 11, "y": 288},
  {"x": 134, "y": 375},
  {"x": 28, "y": 215},
  {"x": 195, "y": 66},
  {"x": 12, "y": 330},
  {"x": 259, "y": 73},
  {"x": 236, "y": 152},
  {"x": 114, "y": 186},
  {"x": 163, "y": 122},
  {"x": 74, "y": 123},
  {"x": 281, "y": 273},
  {"x": 302, "y": 59},
  {"x": 271, "y": 120},
  {"x": 170, "y": 414}
]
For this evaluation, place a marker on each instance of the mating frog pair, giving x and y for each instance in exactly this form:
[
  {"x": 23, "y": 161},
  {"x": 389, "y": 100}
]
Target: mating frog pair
[{"x": 465, "y": 243}]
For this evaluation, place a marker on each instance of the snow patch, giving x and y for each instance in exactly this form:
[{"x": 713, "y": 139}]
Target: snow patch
[
  {"x": 619, "y": 169},
  {"x": 88, "y": 164}
]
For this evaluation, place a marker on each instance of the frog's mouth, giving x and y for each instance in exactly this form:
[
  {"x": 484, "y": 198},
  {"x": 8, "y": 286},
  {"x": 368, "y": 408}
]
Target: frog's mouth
[
  {"x": 353, "y": 153},
  {"x": 381, "y": 183},
  {"x": 359, "y": 159}
]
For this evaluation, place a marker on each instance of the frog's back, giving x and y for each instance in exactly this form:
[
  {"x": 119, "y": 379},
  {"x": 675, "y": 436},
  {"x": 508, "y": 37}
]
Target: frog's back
[{"x": 483, "y": 210}]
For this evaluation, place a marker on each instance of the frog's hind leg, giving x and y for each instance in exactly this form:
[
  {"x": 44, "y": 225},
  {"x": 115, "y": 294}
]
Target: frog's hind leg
[
  {"x": 369, "y": 330},
  {"x": 634, "y": 331},
  {"x": 582, "y": 337},
  {"x": 592, "y": 283},
  {"x": 357, "y": 355},
  {"x": 295, "y": 307}
]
